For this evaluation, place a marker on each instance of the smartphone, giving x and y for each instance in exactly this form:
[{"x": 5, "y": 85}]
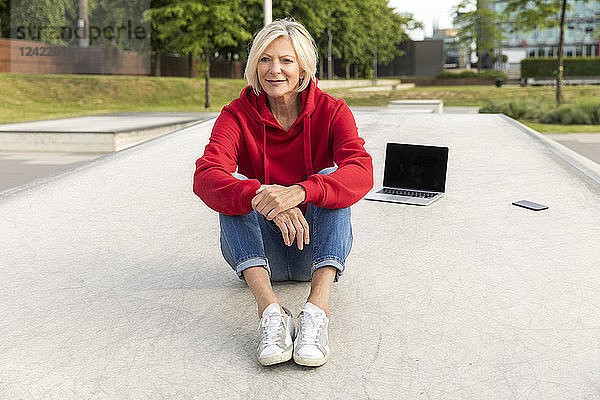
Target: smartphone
[{"x": 530, "y": 205}]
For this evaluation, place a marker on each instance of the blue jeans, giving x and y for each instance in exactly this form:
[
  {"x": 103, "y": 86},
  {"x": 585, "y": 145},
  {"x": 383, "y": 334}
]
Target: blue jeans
[{"x": 251, "y": 240}]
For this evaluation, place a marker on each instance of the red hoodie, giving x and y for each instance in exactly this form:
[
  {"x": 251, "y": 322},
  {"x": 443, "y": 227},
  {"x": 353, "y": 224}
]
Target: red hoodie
[{"x": 323, "y": 134}]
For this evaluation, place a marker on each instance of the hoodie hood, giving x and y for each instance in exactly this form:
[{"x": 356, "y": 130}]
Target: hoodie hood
[{"x": 256, "y": 107}]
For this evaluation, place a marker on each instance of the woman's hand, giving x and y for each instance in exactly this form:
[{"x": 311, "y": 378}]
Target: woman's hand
[
  {"x": 293, "y": 225},
  {"x": 270, "y": 200}
]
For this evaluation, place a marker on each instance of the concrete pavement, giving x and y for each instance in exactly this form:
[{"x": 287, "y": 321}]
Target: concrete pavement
[
  {"x": 113, "y": 285},
  {"x": 18, "y": 168},
  {"x": 586, "y": 144}
]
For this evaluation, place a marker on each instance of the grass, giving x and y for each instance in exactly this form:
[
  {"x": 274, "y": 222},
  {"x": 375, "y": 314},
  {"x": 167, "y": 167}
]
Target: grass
[
  {"x": 477, "y": 96},
  {"x": 464, "y": 96},
  {"x": 26, "y": 97},
  {"x": 554, "y": 128}
]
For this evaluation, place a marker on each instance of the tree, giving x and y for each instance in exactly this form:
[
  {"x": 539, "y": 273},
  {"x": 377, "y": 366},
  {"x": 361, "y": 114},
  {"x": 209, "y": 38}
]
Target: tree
[
  {"x": 350, "y": 39},
  {"x": 55, "y": 21},
  {"x": 199, "y": 28},
  {"x": 357, "y": 27},
  {"x": 478, "y": 24},
  {"x": 388, "y": 31},
  {"x": 40, "y": 20},
  {"x": 4, "y": 18},
  {"x": 119, "y": 21},
  {"x": 340, "y": 23},
  {"x": 544, "y": 14},
  {"x": 313, "y": 14},
  {"x": 366, "y": 32}
]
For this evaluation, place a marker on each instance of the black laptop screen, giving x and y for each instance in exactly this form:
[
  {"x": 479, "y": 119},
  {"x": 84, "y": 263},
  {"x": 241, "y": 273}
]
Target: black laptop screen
[{"x": 417, "y": 167}]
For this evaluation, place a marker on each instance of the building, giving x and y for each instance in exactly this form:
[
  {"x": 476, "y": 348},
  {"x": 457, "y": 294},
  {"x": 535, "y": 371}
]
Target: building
[
  {"x": 582, "y": 30},
  {"x": 421, "y": 58},
  {"x": 453, "y": 56}
]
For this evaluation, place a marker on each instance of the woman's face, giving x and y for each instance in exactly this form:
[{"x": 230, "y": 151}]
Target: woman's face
[{"x": 278, "y": 69}]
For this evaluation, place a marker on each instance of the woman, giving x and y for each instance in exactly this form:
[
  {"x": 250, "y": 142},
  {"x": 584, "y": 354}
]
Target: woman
[{"x": 283, "y": 134}]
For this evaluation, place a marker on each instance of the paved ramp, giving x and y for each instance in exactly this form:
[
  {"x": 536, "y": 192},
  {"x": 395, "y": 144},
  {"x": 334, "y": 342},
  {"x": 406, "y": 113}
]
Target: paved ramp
[
  {"x": 94, "y": 134},
  {"x": 113, "y": 286}
]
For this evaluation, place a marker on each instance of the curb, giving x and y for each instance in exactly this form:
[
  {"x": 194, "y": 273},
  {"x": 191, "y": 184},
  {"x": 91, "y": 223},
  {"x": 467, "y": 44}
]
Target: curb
[{"x": 576, "y": 160}]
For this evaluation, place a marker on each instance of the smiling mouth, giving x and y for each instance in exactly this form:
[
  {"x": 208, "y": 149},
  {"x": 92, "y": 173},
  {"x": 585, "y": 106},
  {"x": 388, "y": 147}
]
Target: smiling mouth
[{"x": 275, "y": 81}]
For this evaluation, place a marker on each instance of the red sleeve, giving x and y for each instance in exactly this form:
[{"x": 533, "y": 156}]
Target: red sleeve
[
  {"x": 213, "y": 181},
  {"x": 354, "y": 176}
]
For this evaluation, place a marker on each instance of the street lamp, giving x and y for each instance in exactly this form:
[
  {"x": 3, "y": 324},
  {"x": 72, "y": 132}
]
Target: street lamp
[
  {"x": 268, "y": 11},
  {"x": 82, "y": 24}
]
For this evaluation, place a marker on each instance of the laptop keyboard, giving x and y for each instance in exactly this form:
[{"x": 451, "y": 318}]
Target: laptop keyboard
[{"x": 410, "y": 193}]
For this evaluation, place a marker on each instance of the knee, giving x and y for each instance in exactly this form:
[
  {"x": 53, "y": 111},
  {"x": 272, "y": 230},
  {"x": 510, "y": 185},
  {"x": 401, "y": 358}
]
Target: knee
[{"x": 336, "y": 218}]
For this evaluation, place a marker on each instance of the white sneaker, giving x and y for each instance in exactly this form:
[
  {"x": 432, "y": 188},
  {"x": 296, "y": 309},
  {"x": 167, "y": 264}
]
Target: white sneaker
[
  {"x": 277, "y": 331},
  {"x": 311, "y": 347}
]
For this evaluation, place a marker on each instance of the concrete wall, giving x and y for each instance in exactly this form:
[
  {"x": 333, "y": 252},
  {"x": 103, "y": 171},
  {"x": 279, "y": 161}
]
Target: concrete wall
[
  {"x": 420, "y": 58},
  {"x": 429, "y": 57}
]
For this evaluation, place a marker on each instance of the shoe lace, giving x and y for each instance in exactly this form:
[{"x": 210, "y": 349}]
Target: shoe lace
[
  {"x": 271, "y": 325},
  {"x": 312, "y": 325}
]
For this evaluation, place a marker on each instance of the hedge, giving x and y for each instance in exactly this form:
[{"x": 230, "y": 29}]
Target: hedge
[
  {"x": 485, "y": 74},
  {"x": 546, "y": 67}
]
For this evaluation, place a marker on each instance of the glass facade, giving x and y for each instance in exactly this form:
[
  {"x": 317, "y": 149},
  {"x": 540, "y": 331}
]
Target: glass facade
[
  {"x": 582, "y": 31},
  {"x": 449, "y": 36}
]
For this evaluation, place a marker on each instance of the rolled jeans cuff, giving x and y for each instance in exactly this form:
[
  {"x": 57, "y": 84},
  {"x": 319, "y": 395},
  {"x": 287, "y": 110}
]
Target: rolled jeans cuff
[
  {"x": 331, "y": 262},
  {"x": 252, "y": 262}
]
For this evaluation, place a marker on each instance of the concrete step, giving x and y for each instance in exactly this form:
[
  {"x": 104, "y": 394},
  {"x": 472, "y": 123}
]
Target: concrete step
[{"x": 94, "y": 134}]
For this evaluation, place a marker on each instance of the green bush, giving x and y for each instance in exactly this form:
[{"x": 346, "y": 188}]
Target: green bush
[
  {"x": 488, "y": 73},
  {"x": 547, "y": 67},
  {"x": 492, "y": 73},
  {"x": 583, "y": 112},
  {"x": 523, "y": 108}
]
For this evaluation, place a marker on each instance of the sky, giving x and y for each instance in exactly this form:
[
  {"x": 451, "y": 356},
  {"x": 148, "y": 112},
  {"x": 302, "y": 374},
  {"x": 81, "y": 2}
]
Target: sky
[{"x": 426, "y": 11}]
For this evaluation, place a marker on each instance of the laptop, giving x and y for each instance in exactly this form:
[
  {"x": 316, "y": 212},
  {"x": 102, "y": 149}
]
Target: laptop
[{"x": 413, "y": 174}]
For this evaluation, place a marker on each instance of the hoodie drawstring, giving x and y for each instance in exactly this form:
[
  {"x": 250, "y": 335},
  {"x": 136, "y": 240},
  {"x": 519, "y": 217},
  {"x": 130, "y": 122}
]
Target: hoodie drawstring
[
  {"x": 307, "y": 149},
  {"x": 265, "y": 160}
]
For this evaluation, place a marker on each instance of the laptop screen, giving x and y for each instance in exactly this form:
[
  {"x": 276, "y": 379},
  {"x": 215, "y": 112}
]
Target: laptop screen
[{"x": 417, "y": 167}]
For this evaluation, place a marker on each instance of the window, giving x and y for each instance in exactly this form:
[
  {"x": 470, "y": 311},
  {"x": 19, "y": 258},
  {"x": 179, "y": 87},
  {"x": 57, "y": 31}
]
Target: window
[
  {"x": 579, "y": 51},
  {"x": 531, "y": 53}
]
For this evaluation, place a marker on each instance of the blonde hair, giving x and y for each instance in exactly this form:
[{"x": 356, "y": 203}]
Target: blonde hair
[{"x": 302, "y": 42}]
